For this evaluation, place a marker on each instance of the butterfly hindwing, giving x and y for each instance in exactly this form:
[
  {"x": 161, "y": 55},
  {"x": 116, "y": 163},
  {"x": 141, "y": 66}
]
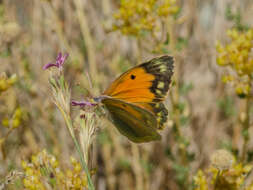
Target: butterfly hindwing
[
  {"x": 158, "y": 109},
  {"x": 138, "y": 124}
]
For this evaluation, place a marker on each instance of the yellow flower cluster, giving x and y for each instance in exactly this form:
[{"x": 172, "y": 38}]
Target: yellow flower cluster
[
  {"x": 44, "y": 171},
  {"x": 15, "y": 120},
  {"x": 6, "y": 82},
  {"x": 134, "y": 17},
  {"x": 200, "y": 181},
  {"x": 232, "y": 178},
  {"x": 238, "y": 55}
]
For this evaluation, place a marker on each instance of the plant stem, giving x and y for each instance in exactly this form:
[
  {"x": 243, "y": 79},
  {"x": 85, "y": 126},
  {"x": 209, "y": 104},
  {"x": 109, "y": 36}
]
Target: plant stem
[
  {"x": 246, "y": 125},
  {"x": 81, "y": 156},
  {"x": 217, "y": 180},
  {"x": 175, "y": 100},
  {"x": 84, "y": 165},
  {"x": 87, "y": 37},
  {"x": 137, "y": 167}
]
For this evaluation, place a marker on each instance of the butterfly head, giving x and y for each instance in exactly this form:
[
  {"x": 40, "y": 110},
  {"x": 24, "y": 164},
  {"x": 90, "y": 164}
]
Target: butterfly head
[{"x": 99, "y": 99}]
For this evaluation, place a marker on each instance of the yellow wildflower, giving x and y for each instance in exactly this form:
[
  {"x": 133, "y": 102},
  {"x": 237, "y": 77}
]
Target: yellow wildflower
[
  {"x": 46, "y": 166},
  {"x": 6, "y": 82},
  {"x": 200, "y": 181},
  {"x": 133, "y": 17},
  {"x": 238, "y": 55}
]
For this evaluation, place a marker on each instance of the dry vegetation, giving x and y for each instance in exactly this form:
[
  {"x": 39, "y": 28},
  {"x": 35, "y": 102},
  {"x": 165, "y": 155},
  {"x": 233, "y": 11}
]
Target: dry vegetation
[{"x": 47, "y": 144}]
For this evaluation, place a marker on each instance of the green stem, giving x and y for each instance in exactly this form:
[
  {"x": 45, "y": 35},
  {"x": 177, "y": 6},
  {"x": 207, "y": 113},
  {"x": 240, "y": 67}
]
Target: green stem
[
  {"x": 83, "y": 163},
  {"x": 246, "y": 125},
  {"x": 217, "y": 180},
  {"x": 175, "y": 100},
  {"x": 91, "y": 50}
]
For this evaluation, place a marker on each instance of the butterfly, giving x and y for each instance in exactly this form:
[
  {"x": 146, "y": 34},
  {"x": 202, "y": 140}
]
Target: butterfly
[{"x": 135, "y": 99}]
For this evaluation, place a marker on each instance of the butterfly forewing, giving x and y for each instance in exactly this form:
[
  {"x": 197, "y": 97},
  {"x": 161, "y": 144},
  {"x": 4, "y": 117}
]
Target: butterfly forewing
[
  {"x": 148, "y": 82},
  {"x": 126, "y": 86},
  {"x": 138, "y": 124}
]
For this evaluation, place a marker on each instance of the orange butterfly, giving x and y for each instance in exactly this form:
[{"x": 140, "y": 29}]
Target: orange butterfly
[{"x": 135, "y": 99}]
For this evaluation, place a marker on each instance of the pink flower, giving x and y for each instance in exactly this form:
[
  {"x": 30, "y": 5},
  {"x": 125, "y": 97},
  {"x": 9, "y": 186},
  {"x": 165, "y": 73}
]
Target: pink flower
[
  {"x": 82, "y": 103},
  {"x": 59, "y": 62}
]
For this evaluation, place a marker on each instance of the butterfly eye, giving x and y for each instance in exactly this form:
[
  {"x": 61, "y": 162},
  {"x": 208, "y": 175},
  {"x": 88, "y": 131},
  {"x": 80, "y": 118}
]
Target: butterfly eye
[{"x": 133, "y": 77}]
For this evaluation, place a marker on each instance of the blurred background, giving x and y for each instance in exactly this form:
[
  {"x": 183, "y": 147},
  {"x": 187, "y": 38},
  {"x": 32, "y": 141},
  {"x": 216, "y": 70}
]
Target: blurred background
[{"x": 103, "y": 39}]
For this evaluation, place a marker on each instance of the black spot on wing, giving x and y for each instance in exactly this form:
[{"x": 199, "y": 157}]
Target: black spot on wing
[{"x": 132, "y": 77}]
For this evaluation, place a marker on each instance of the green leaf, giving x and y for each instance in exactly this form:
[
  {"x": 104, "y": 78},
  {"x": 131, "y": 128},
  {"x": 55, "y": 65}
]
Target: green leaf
[
  {"x": 181, "y": 173},
  {"x": 226, "y": 104},
  {"x": 148, "y": 166},
  {"x": 181, "y": 43},
  {"x": 103, "y": 137},
  {"x": 185, "y": 88}
]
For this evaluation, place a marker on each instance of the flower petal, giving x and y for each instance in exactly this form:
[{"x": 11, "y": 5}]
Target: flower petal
[
  {"x": 49, "y": 65},
  {"x": 58, "y": 63},
  {"x": 82, "y": 103}
]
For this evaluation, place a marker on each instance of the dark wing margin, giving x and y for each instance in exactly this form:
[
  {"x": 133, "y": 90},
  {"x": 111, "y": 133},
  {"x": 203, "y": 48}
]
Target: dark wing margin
[
  {"x": 137, "y": 124},
  {"x": 162, "y": 68},
  {"x": 161, "y": 113}
]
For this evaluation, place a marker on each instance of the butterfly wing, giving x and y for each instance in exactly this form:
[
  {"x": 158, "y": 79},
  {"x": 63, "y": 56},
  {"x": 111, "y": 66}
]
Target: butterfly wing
[
  {"x": 146, "y": 86},
  {"x": 147, "y": 82},
  {"x": 158, "y": 109},
  {"x": 138, "y": 124}
]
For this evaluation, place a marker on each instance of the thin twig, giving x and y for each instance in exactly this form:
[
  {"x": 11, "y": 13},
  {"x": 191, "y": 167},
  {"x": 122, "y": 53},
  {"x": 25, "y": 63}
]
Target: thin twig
[{"x": 87, "y": 37}]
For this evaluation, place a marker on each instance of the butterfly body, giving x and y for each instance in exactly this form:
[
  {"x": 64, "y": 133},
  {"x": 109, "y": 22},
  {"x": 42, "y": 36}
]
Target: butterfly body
[{"x": 135, "y": 99}]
